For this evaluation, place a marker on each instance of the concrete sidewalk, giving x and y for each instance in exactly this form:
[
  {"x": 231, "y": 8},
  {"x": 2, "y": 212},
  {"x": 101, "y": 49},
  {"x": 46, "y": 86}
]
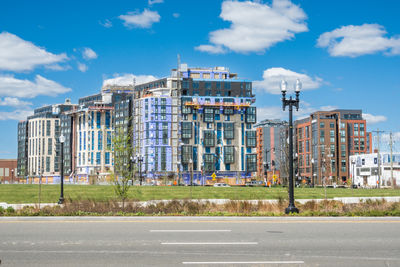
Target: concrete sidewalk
[{"x": 345, "y": 200}]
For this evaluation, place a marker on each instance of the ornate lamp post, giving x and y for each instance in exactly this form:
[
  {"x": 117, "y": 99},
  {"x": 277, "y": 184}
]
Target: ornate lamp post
[
  {"x": 139, "y": 160},
  {"x": 290, "y": 103},
  {"x": 62, "y": 140}
]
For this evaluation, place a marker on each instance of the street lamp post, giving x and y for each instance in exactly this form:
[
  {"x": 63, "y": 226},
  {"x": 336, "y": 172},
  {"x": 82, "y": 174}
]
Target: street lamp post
[
  {"x": 291, "y": 102},
  {"x": 12, "y": 176},
  {"x": 140, "y": 160},
  {"x": 62, "y": 140}
]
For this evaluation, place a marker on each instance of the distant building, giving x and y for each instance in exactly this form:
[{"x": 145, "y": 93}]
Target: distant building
[
  {"x": 364, "y": 170},
  {"x": 8, "y": 171},
  {"x": 198, "y": 121},
  {"x": 42, "y": 143},
  {"x": 271, "y": 138},
  {"x": 324, "y": 142}
]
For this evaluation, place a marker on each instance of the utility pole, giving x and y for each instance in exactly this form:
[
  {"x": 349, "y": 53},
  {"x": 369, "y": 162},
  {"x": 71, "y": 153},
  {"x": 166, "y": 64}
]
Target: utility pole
[
  {"x": 379, "y": 158},
  {"x": 391, "y": 160}
]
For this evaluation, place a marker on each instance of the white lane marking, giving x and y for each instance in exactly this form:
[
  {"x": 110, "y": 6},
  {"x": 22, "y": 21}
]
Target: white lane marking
[
  {"x": 188, "y": 231},
  {"x": 209, "y": 243},
  {"x": 243, "y": 262}
]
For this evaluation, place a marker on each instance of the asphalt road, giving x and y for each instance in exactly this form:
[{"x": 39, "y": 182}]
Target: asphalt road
[{"x": 199, "y": 241}]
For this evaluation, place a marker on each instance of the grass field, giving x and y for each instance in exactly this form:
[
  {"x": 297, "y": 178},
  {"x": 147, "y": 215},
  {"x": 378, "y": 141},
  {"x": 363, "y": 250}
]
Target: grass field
[{"x": 51, "y": 193}]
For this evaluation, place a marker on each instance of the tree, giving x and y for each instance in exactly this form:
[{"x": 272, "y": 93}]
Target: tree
[{"x": 123, "y": 163}]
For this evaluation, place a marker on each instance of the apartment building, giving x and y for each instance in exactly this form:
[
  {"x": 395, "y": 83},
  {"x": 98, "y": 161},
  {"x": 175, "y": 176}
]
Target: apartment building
[
  {"x": 196, "y": 123},
  {"x": 39, "y": 147},
  {"x": 217, "y": 125},
  {"x": 271, "y": 156},
  {"x": 324, "y": 142}
]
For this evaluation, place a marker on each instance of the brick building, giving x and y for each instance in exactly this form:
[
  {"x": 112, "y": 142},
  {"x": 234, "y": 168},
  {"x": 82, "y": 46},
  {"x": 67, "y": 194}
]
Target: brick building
[
  {"x": 8, "y": 171},
  {"x": 324, "y": 142}
]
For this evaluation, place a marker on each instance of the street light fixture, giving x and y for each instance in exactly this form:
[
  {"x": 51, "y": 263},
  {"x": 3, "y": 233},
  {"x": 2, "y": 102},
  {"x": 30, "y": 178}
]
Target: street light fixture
[
  {"x": 139, "y": 159},
  {"x": 62, "y": 140},
  {"x": 291, "y": 102}
]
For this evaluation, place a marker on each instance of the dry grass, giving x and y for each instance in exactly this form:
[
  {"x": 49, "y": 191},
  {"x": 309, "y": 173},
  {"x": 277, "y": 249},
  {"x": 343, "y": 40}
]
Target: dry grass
[{"x": 197, "y": 208}]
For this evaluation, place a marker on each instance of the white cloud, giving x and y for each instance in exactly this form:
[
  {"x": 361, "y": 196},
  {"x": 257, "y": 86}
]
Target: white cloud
[
  {"x": 270, "y": 113},
  {"x": 372, "y": 119},
  {"x": 354, "y": 41},
  {"x": 274, "y": 76},
  {"x": 82, "y": 67},
  {"x": 10, "y": 86},
  {"x": 127, "y": 79},
  {"x": 13, "y": 102},
  {"x": 212, "y": 49},
  {"x": 107, "y": 23},
  {"x": 18, "y": 115},
  {"x": 140, "y": 20},
  {"x": 88, "y": 53},
  {"x": 20, "y": 55},
  {"x": 276, "y": 112},
  {"x": 176, "y": 15},
  {"x": 256, "y": 26},
  {"x": 151, "y": 2}
]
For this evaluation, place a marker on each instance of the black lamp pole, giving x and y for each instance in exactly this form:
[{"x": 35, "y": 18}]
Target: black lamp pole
[
  {"x": 62, "y": 140},
  {"x": 140, "y": 159},
  {"x": 291, "y": 102}
]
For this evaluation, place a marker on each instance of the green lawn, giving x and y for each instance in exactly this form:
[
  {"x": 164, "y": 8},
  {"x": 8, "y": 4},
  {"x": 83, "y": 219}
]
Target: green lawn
[{"x": 51, "y": 193}]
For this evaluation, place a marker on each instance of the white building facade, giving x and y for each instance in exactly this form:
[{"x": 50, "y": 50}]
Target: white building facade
[{"x": 364, "y": 170}]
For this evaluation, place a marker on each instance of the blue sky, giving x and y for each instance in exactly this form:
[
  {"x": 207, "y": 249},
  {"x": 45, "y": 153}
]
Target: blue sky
[{"x": 347, "y": 53}]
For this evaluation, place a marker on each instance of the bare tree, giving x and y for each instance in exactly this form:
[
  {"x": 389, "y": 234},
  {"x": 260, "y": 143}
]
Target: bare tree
[{"x": 123, "y": 163}]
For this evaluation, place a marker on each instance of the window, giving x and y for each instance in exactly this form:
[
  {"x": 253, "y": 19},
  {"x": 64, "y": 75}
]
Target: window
[
  {"x": 186, "y": 154},
  {"x": 321, "y": 125},
  {"x": 98, "y": 158},
  {"x": 301, "y": 146},
  {"x": 207, "y": 85},
  {"x": 186, "y": 130},
  {"x": 49, "y": 146},
  {"x": 300, "y": 132},
  {"x": 308, "y": 131},
  {"x": 100, "y": 140},
  {"x": 186, "y": 109},
  {"x": 332, "y": 125},
  {"x": 251, "y": 140},
  {"x": 209, "y": 162},
  {"x": 47, "y": 164},
  {"x": 307, "y": 146},
  {"x": 209, "y": 138},
  {"x": 208, "y": 115},
  {"x": 195, "y": 85},
  {"x": 107, "y": 158},
  {"x": 108, "y": 119},
  {"x": 165, "y": 133},
  {"x": 228, "y": 111},
  {"x": 343, "y": 165},
  {"x": 108, "y": 140},
  {"x": 98, "y": 120},
  {"x": 362, "y": 143},
  {"x": 229, "y": 130},
  {"x": 342, "y": 125},
  {"x": 251, "y": 162},
  {"x": 343, "y": 150},
  {"x": 227, "y": 85},
  {"x": 48, "y": 128},
  {"x": 229, "y": 154},
  {"x": 355, "y": 129},
  {"x": 185, "y": 84},
  {"x": 251, "y": 115}
]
